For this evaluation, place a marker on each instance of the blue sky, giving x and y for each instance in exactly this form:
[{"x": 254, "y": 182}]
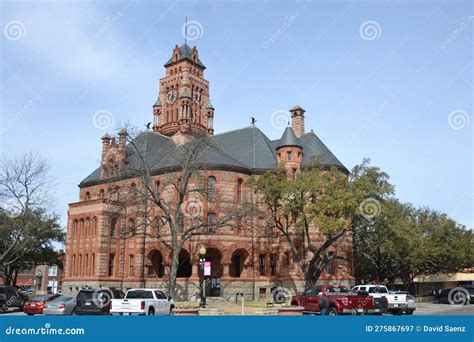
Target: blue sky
[{"x": 389, "y": 80}]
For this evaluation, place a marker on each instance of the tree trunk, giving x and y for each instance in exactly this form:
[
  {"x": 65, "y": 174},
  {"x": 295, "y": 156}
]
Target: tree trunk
[
  {"x": 313, "y": 272},
  {"x": 173, "y": 271}
]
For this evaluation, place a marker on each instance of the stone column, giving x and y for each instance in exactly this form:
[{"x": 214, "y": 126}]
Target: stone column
[
  {"x": 225, "y": 272},
  {"x": 195, "y": 271},
  {"x": 42, "y": 278}
]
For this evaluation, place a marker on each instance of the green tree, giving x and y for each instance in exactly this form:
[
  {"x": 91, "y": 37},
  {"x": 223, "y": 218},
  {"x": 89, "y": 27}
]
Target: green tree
[
  {"x": 27, "y": 231},
  {"x": 402, "y": 242},
  {"x": 314, "y": 210},
  {"x": 28, "y": 239}
]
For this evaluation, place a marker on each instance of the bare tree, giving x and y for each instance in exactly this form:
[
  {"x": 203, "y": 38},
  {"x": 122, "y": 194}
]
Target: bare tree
[
  {"x": 172, "y": 211},
  {"x": 25, "y": 227}
]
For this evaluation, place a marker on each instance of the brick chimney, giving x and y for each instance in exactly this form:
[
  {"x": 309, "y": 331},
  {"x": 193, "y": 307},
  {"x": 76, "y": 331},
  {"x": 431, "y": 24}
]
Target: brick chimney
[
  {"x": 105, "y": 146},
  {"x": 297, "y": 120}
]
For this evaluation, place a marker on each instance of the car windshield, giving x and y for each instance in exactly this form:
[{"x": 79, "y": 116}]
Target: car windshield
[
  {"x": 62, "y": 299},
  {"x": 83, "y": 295},
  {"x": 139, "y": 294},
  {"x": 336, "y": 289},
  {"x": 378, "y": 290},
  {"x": 40, "y": 298}
]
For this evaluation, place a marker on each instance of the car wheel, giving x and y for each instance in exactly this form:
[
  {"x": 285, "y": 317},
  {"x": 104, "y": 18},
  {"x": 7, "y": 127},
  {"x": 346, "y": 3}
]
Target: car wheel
[
  {"x": 151, "y": 312},
  {"x": 331, "y": 312},
  {"x": 409, "y": 312}
]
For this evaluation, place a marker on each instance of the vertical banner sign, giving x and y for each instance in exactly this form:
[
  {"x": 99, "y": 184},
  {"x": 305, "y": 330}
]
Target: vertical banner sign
[{"x": 207, "y": 268}]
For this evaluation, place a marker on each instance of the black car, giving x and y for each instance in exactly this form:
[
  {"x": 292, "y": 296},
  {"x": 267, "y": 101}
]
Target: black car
[
  {"x": 458, "y": 295},
  {"x": 11, "y": 297},
  {"x": 96, "y": 301}
]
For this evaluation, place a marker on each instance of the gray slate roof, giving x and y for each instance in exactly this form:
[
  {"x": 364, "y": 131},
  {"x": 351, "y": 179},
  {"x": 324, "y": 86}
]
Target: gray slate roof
[
  {"x": 288, "y": 139},
  {"x": 246, "y": 149},
  {"x": 185, "y": 53}
]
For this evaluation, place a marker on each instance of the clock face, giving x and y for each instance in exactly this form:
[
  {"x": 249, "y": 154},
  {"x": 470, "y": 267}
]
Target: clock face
[
  {"x": 197, "y": 97},
  {"x": 171, "y": 96}
]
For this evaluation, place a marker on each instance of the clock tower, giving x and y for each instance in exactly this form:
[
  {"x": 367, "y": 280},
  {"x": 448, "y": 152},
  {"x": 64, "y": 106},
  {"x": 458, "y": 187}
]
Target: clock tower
[{"x": 183, "y": 104}]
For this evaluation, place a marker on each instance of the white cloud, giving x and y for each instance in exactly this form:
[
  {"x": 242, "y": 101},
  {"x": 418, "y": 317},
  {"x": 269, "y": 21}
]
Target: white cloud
[{"x": 78, "y": 40}]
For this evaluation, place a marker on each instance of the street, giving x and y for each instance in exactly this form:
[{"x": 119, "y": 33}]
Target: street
[{"x": 423, "y": 309}]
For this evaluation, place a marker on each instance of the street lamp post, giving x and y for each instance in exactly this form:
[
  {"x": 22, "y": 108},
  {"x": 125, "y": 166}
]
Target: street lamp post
[{"x": 202, "y": 259}]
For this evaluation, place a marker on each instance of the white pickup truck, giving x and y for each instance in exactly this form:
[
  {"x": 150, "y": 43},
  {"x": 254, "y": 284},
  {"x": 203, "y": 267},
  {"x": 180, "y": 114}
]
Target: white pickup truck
[
  {"x": 398, "y": 301},
  {"x": 148, "y": 302}
]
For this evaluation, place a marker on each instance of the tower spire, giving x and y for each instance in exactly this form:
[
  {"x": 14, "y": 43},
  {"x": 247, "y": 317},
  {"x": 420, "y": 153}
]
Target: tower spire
[{"x": 186, "y": 31}]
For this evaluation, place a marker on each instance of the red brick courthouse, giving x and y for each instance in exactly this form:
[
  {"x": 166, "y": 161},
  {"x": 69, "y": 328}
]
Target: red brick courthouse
[{"x": 243, "y": 261}]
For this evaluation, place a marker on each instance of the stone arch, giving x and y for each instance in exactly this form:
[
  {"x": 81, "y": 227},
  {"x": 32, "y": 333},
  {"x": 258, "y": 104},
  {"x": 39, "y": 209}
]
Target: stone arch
[
  {"x": 155, "y": 264},
  {"x": 184, "y": 265},
  {"x": 215, "y": 256},
  {"x": 238, "y": 259}
]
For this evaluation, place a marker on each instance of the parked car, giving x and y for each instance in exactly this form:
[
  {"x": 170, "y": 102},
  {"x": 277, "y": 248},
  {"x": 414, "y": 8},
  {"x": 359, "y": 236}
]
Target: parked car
[
  {"x": 337, "y": 300},
  {"x": 143, "y": 302},
  {"x": 11, "y": 297},
  {"x": 63, "y": 305},
  {"x": 399, "y": 302},
  {"x": 35, "y": 305},
  {"x": 96, "y": 301},
  {"x": 456, "y": 296}
]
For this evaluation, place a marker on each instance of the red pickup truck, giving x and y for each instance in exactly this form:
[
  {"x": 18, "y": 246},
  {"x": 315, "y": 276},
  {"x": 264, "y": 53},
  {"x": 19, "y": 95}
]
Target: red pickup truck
[{"x": 337, "y": 300}]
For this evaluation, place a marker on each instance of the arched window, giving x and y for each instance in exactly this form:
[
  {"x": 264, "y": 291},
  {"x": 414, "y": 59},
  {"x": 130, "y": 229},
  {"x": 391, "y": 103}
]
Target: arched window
[
  {"x": 211, "y": 189},
  {"x": 211, "y": 223},
  {"x": 80, "y": 265},
  {"x": 86, "y": 265},
  {"x": 111, "y": 167},
  {"x": 157, "y": 187},
  {"x": 93, "y": 265},
  {"x": 111, "y": 265},
  {"x": 113, "y": 227},
  {"x": 73, "y": 265},
  {"x": 74, "y": 229},
  {"x": 181, "y": 224},
  {"x": 101, "y": 193},
  {"x": 239, "y": 190},
  {"x": 87, "y": 195}
]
